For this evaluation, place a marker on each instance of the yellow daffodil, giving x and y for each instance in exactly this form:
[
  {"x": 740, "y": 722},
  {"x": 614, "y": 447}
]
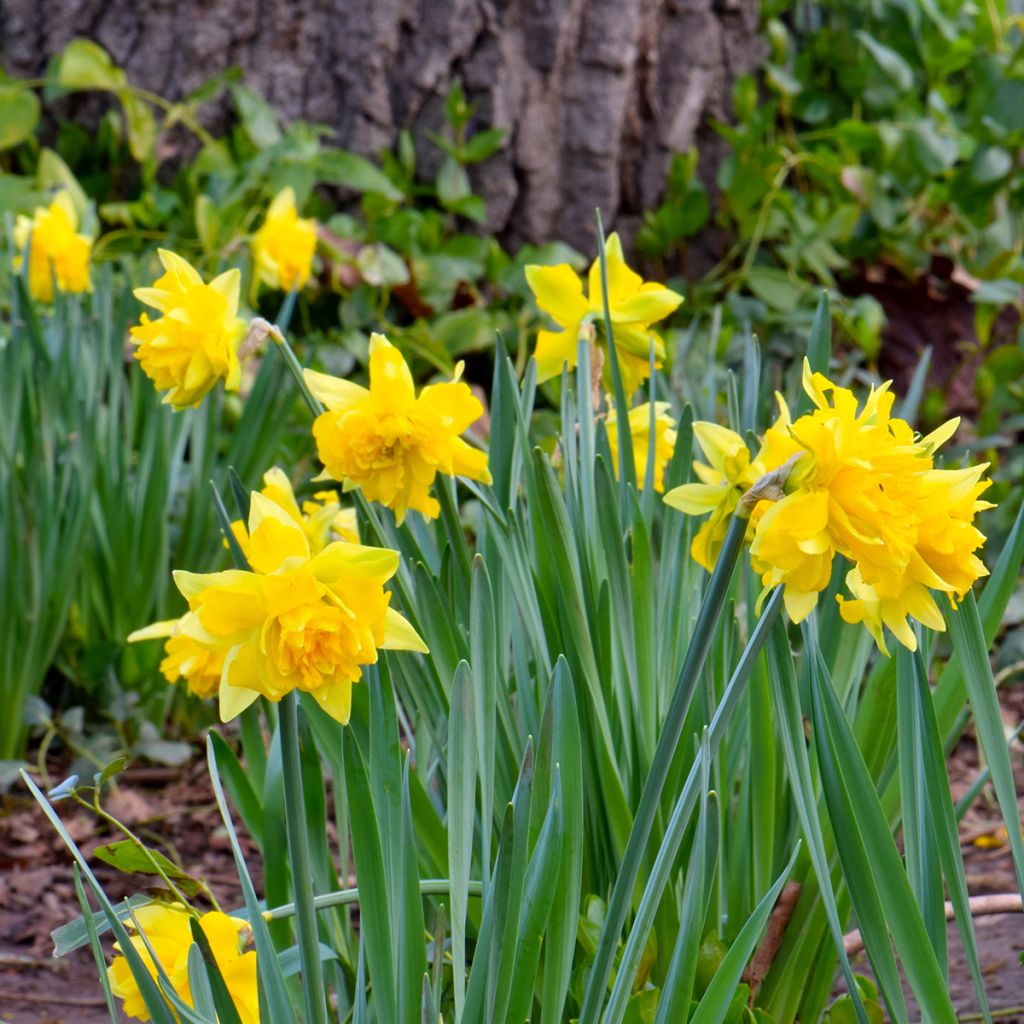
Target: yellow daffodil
[
  {"x": 858, "y": 482},
  {"x": 640, "y": 431},
  {"x": 722, "y": 483},
  {"x": 391, "y": 443},
  {"x": 634, "y": 304},
  {"x": 166, "y": 928},
  {"x": 56, "y": 249},
  {"x": 322, "y": 519},
  {"x": 184, "y": 658},
  {"x": 283, "y": 247},
  {"x": 195, "y": 343},
  {"x": 298, "y": 620}
]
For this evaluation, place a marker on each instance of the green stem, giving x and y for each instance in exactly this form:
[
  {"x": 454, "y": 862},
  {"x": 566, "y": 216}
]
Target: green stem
[
  {"x": 316, "y": 407},
  {"x": 345, "y": 897},
  {"x": 643, "y": 823},
  {"x": 298, "y": 852}
]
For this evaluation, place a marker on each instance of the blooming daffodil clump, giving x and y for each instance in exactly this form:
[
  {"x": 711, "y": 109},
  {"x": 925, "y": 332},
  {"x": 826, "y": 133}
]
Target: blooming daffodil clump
[
  {"x": 634, "y": 305},
  {"x": 640, "y": 432},
  {"x": 283, "y": 247},
  {"x": 298, "y": 620},
  {"x": 846, "y": 480},
  {"x": 322, "y": 519},
  {"x": 57, "y": 251},
  {"x": 195, "y": 343},
  {"x": 167, "y": 930},
  {"x": 390, "y": 442}
]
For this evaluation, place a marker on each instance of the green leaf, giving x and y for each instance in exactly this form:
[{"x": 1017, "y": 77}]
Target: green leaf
[
  {"x": 86, "y": 65},
  {"x": 126, "y": 856},
  {"x": 225, "y": 1008},
  {"x": 340, "y": 167},
  {"x": 371, "y": 877},
  {"x": 968, "y": 636},
  {"x": 892, "y": 65},
  {"x": 882, "y": 897},
  {"x": 381, "y": 267},
  {"x": 776, "y": 287},
  {"x": 259, "y": 120},
  {"x": 462, "y": 761},
  {"x": 141, "y": 125},
  {"x": 717, "y": 1000},
  {"x": 19, "y": 114}
]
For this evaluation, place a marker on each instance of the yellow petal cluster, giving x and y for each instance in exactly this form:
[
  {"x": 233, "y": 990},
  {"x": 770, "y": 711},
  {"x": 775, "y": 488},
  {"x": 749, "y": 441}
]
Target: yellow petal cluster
[
  {"x": 640, "y": 432},
  {"x": 298, "y": 620},
  {"x": 859, "y": 483},
  {"x": 195, "y": 343},
  {"x": 283, "y": 248},
  {"x": 167, "y": 931},
  {"x": 321, "y": 518},
  {"x": 57, "y": 251},
  {"x": 185, "y": 658},
  {"x": 390, "y": 442},
  {"x": 634, "y": 304}
]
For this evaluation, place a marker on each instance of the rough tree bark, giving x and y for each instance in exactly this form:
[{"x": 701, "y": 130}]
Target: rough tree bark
[{"x": 596, "y": 95}]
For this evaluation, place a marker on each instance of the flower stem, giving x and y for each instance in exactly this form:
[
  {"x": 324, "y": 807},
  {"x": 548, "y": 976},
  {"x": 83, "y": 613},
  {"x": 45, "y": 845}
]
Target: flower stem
[
  {"x": 344, "y": 897},
  {"x": 298, "y": 854},
  {"x": 295, "y": 368}
]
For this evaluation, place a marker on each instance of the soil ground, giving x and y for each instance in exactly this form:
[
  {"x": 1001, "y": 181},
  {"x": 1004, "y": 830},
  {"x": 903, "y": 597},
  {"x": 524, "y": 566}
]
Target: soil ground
[{"x": 174, "y": 808}]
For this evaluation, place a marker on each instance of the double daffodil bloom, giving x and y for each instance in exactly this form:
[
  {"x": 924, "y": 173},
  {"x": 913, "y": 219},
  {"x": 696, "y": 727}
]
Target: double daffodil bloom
[
  {"x": 322, "y": 520},
  {"x": 390, "y": 442},
  {"x": 857, "y": 482},
  {"x": 284, "y": 246},
  {"x": 167, "y": 930},
  {"x": 298, "y": 620},
  {"x": 195, "y": 343},
  {"x": 634, "y": 304},
  {"x": 57, "y": 251},
  {"x": 640, "y": 432}
]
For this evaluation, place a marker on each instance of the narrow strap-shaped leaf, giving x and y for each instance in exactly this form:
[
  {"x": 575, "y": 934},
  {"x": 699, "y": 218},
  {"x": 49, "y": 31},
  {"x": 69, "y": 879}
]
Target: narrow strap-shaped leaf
[
  {"x": 941, "y": 811},
  {"x": 227, "y": 1012},
  {"x": 717, "y": 999},
  {"x": 871, "y": 863},
  {"x": 643, "y": 822},
  {"x": 371, "y": 878},
  {"x": 920, "y": 841},
  {"x": 462, "y": 763},
  {"x": 789, "y": 721},
  {"x": 968, "y": 636},
  {"x": 411, "y": 956},
  {"x": 697, "y": 892}
]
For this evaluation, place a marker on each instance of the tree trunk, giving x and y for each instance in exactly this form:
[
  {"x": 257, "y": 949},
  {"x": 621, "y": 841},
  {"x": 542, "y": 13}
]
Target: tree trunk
[{"x": 595, "y": 95}]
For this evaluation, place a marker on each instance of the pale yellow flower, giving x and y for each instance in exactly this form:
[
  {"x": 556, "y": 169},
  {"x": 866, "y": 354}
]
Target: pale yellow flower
[
  {"x": 57, "y": 251},
  {"x": 195, "y": 343},
  {"x": 640, "y": 432},
  {"x": 184, "y": 658},
  {"x": 634, "y": 304},
  {"x": 284, "y": 246}
]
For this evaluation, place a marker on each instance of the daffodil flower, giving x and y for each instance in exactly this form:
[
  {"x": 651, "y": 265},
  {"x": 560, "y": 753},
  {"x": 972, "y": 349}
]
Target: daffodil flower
[
  {"x": 390, "y": 442},
  {"x": 195, "y": 343},
  {"x": 297, "y": 621},
  {"x": 57, "y": 251},
  {"x": 168, "y": 933},
  {"x": 640, "y": 432},
  {"x": 634, "y": 304},
  {"x": 284, "y": 246}
]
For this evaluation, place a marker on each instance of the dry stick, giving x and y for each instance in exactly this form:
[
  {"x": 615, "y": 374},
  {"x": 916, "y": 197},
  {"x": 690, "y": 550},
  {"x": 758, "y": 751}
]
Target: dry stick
[
  {"x": 28, "y": 997},
  {"x": 980, "y": 906},
  {"x": 763, "y": 957}
]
